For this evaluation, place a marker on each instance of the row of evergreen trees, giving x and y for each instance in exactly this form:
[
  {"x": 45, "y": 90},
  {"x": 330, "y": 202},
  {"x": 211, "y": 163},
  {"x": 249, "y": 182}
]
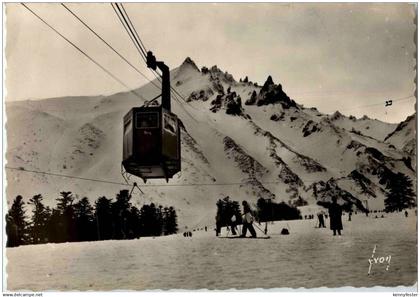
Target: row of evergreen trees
[
  {"x": 272, "y": 211},
  {"x": 73, "y": 220},
  {"x": 267, "y": 210}
]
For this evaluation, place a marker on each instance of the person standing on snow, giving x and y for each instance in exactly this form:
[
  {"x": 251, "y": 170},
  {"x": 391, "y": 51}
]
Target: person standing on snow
[
  {"x": 321, "y": 219},
  {"x": 247, "y": 221},
  {"x": 335, "y": 212},
  {"x": 233, "y": 224}
]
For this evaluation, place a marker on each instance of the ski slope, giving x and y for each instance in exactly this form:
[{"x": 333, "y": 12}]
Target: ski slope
[{"x": 309, "y": 257}]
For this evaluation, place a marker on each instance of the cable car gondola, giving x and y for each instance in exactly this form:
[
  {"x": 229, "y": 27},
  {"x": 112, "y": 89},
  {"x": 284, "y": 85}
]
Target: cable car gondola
[{"x": 151, "y": 141}]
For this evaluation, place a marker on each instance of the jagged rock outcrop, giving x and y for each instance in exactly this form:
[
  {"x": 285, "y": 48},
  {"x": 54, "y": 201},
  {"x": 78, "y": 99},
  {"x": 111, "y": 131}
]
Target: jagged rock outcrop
[
  {"x": 188, "y": 62},
  {"x": 252, "y": 99},
  {"x": 375, "y": 153},
  {"x": 354, "y": 145},
  {"x": 271, "y": 93},
  {"x": 202, "y": 95},
  {"x": 218, "y": 75},
  {"x": 336, "y": 116},
  {"x": 310, "y": 127},
  {"x": 277, "y": 117},
  {"x": 230, "y": 101}
]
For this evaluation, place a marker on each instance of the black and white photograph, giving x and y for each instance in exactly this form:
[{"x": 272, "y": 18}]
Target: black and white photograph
[{"x": 209, "y": 146}]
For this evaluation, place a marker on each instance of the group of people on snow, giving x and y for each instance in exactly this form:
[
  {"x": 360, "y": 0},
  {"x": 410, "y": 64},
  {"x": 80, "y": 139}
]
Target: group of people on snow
[
  {"x": 334, "y": 211},
  {"x": 247, "y": 221}
]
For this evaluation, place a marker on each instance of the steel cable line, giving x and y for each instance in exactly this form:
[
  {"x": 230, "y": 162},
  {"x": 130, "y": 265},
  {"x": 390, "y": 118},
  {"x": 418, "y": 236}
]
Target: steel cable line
[
  {"x": 104, "y": 41},
  {"x": 135, "y": 31},
  {"x": 122, "y": 57},
  {"x": 141, "y": 51},
  {"x": 139, "y": 43},
  {"x": 112, "y": 48},
  {"x": 84, "y": 53},
  {"x": 130, "y": 30},
  {"x": 146, "y": 185},
  {"x": 377, "y": 104},
  {"x": 68, "y": 176}
]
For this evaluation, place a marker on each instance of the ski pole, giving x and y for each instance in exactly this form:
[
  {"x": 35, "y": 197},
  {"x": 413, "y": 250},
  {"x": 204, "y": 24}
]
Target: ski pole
[{"x": 257, "y": 227}]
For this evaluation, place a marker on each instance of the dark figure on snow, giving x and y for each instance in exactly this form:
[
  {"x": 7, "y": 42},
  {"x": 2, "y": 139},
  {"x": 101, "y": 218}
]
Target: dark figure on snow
[
  {"x": 406, "y": 213},
  {"x": 233, "y": 224},
  {"x": 321, "y": 219},
  {"x": 350, "y": 213},
  {"x": 247, "y": 220},
  {"x": 335, "y": 212},
  {"x": 218, "y": 225}
]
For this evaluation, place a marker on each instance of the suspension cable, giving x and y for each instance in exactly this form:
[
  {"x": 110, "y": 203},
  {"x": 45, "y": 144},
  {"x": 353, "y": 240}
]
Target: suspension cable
[
  {"x": 104, "y": 41},
  {"x": 84, "y": 53}
]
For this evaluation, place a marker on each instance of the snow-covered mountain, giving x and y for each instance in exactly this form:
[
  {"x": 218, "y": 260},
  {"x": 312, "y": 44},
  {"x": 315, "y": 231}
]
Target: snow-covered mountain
[{"x": 240, "y": 139}]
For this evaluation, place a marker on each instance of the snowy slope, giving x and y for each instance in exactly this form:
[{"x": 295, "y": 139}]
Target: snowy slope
[
  {"x": 205, "y": 262},
  {"x": 369, "y": 127},
  {"x": 281, "y": 150},
  {"x": 402, "y": 136}
]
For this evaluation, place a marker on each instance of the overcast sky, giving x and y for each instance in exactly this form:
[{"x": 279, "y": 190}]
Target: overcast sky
[{"x": 331, "y": 56}]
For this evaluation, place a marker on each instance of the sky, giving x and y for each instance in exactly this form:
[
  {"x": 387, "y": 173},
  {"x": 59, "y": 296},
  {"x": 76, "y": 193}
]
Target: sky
[{"x": 346, "y": 57}]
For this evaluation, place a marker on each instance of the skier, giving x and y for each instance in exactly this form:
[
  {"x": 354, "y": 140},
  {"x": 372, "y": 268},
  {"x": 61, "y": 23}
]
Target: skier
[
  {"x": 218, "y": 225},
  {"x": 233, "y": 224},
  {"x": 335, "y": 212},
  {"x": 247, "y": 220},
  {"x": 219, "y": 218},
  {"x": 406, "y": 213},
  {"x": 321, "y": 219}
]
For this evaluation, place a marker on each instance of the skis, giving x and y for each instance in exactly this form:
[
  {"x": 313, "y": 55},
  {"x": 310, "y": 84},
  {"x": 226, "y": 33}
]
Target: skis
[{"x": 239, "y": 237}]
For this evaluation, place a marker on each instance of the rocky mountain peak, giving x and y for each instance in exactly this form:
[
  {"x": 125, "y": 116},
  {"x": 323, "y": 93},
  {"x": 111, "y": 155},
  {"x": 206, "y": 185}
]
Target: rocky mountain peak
[
  {"x": 271, "y": 93},
  {"x": 268, "y": 82},
  {"x": 336, "y": 116},
  {"x": 188, "y": 62}
]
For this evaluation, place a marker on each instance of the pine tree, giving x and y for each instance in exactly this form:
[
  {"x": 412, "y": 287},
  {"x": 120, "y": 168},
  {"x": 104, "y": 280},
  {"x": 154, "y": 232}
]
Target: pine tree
[
  {"x": 39, "y": 221},
  {"x": 104, "y": 218},
  {"x": 66, "y": 219},
  {"x": 146, "y": 220},
  {"x": 134, "y": 223},
  {"x": 55, "y": 227},
  {"x": 400, "y": 193},
  {"x": 16, "y": 227},
  {"x": 65, "y": 201},
  {"x": 165, "y": 215},
  {"x": 171, "y": 223},
  {"x": 159, "y": 220},
  {"x": 121, "y": 209},
  {"x": 84, "y": 219},
  {"x": 154, "y": 220}
]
